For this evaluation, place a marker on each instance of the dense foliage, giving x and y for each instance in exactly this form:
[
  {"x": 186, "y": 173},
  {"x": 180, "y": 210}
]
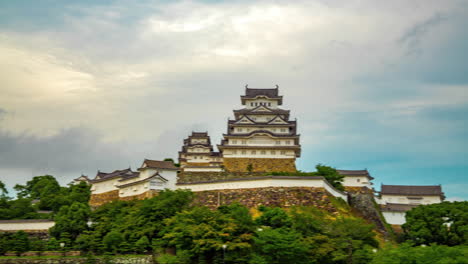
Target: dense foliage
[
  {"x": 41, "y": 193},
  {"x": 230, "y": 234},
  {"x": 434, "y": 254},
  {"x": 444, "y": 223}
]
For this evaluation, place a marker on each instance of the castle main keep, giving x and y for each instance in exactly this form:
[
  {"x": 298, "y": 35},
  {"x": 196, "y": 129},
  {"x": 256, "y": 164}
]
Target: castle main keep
[{"x": 260, "y": 138}]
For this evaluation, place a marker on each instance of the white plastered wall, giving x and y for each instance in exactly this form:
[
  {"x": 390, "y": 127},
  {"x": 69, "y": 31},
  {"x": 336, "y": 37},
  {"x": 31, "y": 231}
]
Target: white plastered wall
[
  {"x": 264, "y": 183},
  {"x": 403, "y": 199},
  {"x": 29, "y": 225},
  {"x": 360, "y": 181},
  {"x": 105, "y": 186},
  {"x": 395, "y": 218}
]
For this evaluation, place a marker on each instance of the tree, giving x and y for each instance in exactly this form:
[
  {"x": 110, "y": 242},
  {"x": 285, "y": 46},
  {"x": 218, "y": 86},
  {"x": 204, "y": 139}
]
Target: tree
[
  {"x": 352, "y": 240},
  {"x": 34, "y": 188},
  {"x": 331, "y": 175},
  {"x": 19, "y": 242},
  {"x": 278, "y": 246},
  {"x": 147, "y": 217},
  {"x": 433, "y": 254},
  {"x": 17, "y": 209},
  {"x": 274, "y": 217},
  {"x": 142, "y": 245},
  {"x": 71, "y": 219},
  {"x": 445, "y": 224},
  {"x": 3, "y": 190},
  {"x": 201, "y": 234},
  {"x": 112, "y": 241}
]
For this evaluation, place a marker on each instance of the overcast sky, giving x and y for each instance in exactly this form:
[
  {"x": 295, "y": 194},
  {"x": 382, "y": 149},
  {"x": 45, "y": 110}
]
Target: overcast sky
[{"x": 381, "y": 85}]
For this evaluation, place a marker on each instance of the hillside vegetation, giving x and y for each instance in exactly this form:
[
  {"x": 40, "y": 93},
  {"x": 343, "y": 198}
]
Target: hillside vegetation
[{"x": 177, "y": 231}]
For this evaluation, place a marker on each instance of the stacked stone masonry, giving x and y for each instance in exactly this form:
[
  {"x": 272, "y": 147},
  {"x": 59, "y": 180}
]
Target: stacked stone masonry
[
  {"x": 103, "y": 198},
  {"x": 273, "y": 196},
  {"x": 259, "y": 165},
  {"x": 193, "y": 176}
]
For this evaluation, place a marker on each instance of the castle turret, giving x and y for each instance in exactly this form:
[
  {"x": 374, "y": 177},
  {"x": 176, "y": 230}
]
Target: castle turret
[
  {"x": 197, "y": 154},
  {"x": 261, "y": 137}
]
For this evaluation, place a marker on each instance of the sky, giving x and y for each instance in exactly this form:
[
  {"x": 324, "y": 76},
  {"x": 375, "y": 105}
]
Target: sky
[{"x": 102, "y": 85}]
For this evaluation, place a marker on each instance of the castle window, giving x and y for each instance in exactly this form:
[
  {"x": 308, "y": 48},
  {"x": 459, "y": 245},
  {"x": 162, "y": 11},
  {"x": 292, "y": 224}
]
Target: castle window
[
  {"x": 274, "y": 129},
  {"x": 269, "y": 104},
  {"x": 273, "y": 152},
  {"x": 263, "y": 152},
  {"x": 244, "y": 142},
  {"x": 278, "y": 142},
  {"x": 283, "y": 152},
  {"x": 358, "y": 180},
  {"x": 244, "y": 152},
  {"x": 283, "y": 129},
  {"x": 288, "y": 142},
  {"x": 239, "y": 129},
  {"x": 234, "y": 142},
  {"x": 254, "y": 152},
  {"x": 251, "y": 104},
  {"x": 234, "y": 152}
]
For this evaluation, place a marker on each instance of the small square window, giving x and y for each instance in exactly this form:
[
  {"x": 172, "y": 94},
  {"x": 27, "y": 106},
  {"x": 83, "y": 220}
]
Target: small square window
[
  {"x": 273, "y": 152},
  {"x": 283, "y": 152},
  {"x": 278, "y": 142},
  {"x": 244, "y": 152},
  {"x": 263, "y": 152},
  {"x": 254, "y": 152}
]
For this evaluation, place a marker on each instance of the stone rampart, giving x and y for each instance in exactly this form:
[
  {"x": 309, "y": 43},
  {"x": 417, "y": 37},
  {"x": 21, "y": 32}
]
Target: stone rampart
[
  {"x": 145, "y": 195},
  {"x": 102, "y": 198},
  {"x": 273, "y": 196},
  {"x": 259, "y": 165},
  {"x": 198, "y": 176}
]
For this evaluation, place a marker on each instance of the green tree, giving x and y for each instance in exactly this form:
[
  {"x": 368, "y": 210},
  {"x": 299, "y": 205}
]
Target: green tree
[
  {"x": 3, "y": 190},
  {"x": 17, "y": 209},
  {"x": 274, "y": 217},
  {"x": 19, "y": 242},
  {"x": 201, "y": 233},
  {"x": 53, "y": 244},
  {"x": 331, "y": 175},
  {"x": 352, "y": 240},
  {"x": 71, "y": 219},
  {"x": 147, "y": 217},
  {"x": 112, "y": 241},
  {"x": 278, "y": 246},
  {"x": 434, "y": 254},
  {"x": 444, "y": 223},
  {"x": 142, "y": 245},
  {"x": 34, "y": 188}
]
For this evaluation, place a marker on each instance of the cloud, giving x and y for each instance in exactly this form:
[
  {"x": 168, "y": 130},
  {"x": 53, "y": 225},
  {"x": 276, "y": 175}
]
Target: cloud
[{"x": 386, "y": 80}]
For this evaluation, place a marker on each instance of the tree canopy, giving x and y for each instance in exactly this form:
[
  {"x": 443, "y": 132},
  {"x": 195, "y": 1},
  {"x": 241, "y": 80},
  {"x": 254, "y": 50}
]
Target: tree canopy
[{"x": 444, "y": 223}]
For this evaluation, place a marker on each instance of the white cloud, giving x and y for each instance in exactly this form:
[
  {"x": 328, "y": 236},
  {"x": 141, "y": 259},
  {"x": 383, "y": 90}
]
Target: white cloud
[{"x": 141, "y": 72}]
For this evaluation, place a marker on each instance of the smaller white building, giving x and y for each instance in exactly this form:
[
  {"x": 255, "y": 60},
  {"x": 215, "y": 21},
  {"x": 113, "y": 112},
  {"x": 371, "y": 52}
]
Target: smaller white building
[
  {"x": 411, "y": 194},
  {"x": 356, "y": 178},
  {"x": 152, "y": 175},
  {"x": 395, "y": 214},
  {"x": 396, "y": 200}
]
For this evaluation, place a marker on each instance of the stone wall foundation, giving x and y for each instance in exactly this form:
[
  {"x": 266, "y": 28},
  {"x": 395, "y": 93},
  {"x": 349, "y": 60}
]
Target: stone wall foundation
[{"x": 259, "y": 165}]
